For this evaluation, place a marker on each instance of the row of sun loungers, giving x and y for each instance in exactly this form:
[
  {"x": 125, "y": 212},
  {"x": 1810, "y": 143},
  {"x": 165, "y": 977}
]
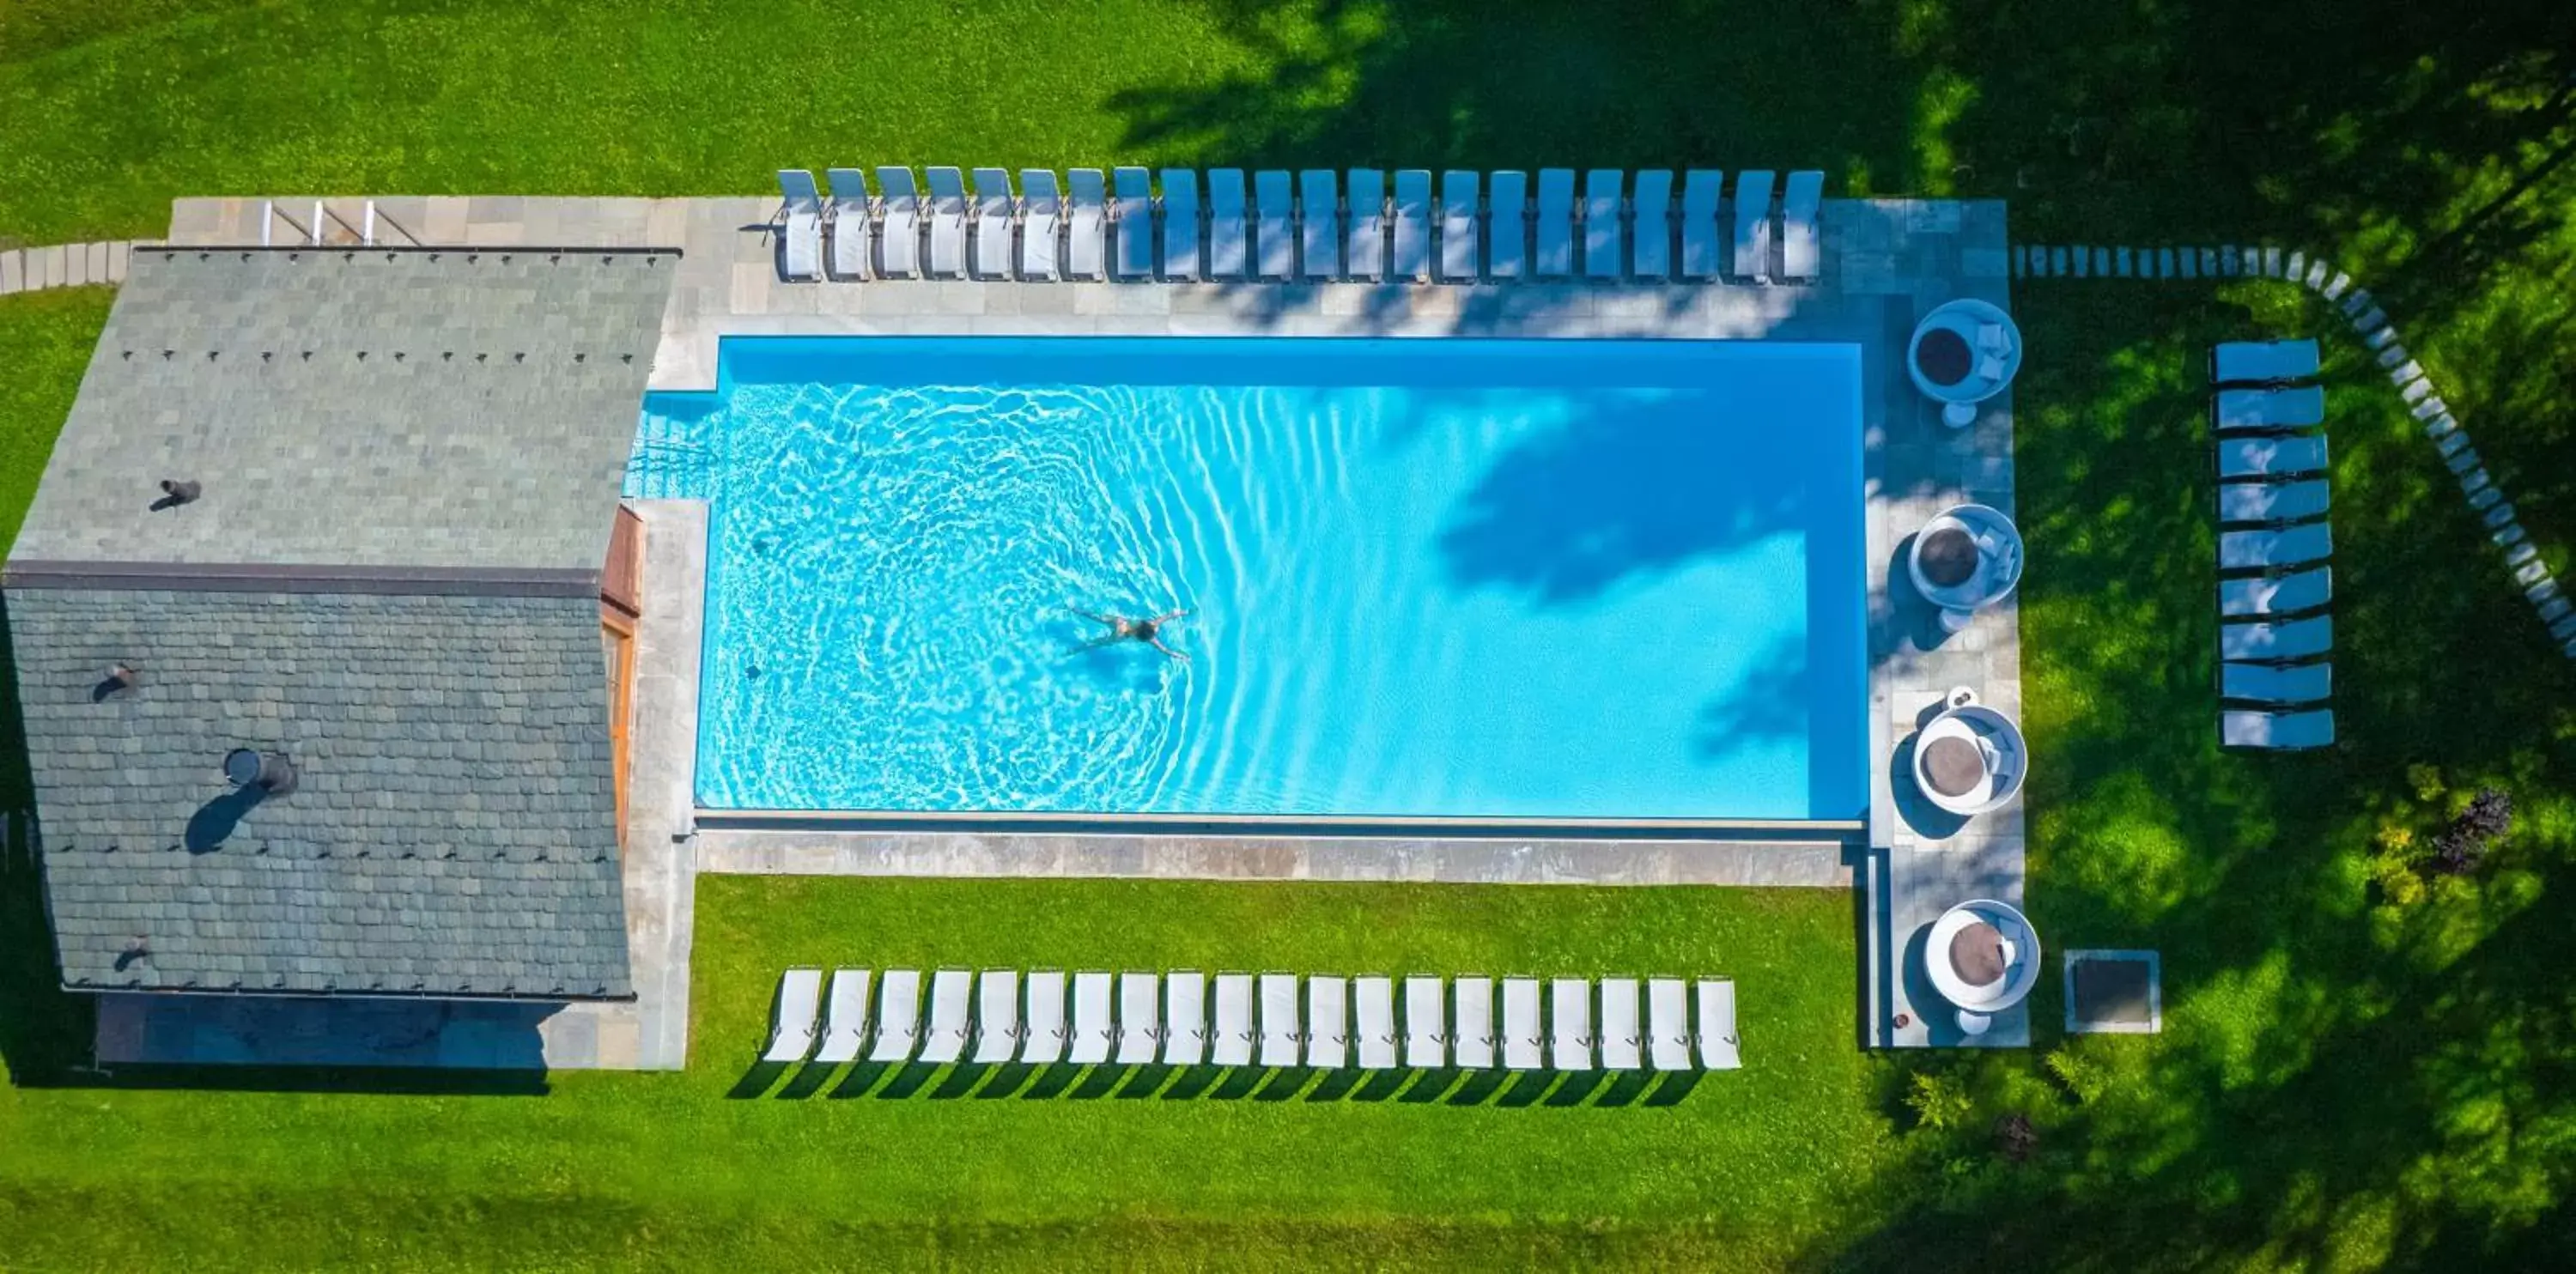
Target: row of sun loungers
[
  {"x": 1274, "y": 1019},
  {"x": 2273, "y": 541},
  {"x": 1317, "y": 224}
]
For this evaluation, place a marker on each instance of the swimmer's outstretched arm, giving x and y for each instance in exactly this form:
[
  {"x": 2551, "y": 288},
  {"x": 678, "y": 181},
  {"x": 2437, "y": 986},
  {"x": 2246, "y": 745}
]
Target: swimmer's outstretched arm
[
  {"x": 1169, "y": 616},
  {"x": 1157, "y": 643},
  {"x": 1097, "y": 619}
]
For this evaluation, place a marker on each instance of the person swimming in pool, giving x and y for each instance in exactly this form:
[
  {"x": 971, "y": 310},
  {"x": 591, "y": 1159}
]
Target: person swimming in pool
[{"x": 1121, "y": 628}]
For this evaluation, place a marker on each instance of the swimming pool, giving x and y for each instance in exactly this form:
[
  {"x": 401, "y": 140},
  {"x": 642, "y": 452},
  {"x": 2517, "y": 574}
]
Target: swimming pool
[{"x": 1479, "y": 579}]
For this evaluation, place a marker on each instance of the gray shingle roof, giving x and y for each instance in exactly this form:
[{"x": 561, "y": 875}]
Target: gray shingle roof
[{"x": 452, "y": 830}]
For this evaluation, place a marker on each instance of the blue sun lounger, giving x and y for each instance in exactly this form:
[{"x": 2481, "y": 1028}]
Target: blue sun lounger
[
  {"x": 800, "y": 231},
  {"x": 1604, "y": 235},
  {"x": 1458, "y": 246},
  {"x": 1366, "y": 245},
  {"x": 2276, "y": 642},
  {"x": 1651, "y": 238},
  {"x": 1133, "y": 222},
  {"x": 1753, "y": 226},
  {"x": 2276, "y": 730},
  {"x": 1319, "y": 248},
  {"x": 1555, "y": 258},
  {"x": 1507, "y": 232},
  {"x": 1180, "y": 223},
  {"x": 2275, "y": 683}
]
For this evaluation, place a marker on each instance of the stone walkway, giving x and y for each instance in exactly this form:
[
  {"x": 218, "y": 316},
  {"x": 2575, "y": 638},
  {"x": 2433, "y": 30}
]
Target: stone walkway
[{"x": 64, "y": 265}]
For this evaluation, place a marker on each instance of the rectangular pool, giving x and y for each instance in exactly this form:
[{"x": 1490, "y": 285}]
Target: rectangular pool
[{"x": 1445, "y": 578}]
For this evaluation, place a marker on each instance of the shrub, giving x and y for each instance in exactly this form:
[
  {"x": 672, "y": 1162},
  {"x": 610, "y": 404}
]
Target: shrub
[
  {"x": 2427, "y": 782},
  {"x": 2015, "y": 1139},
  {"x": 1938, "y": 1101},
  {"x": 2084, "y": 1079},
  {"x": 2487, "y": 817}
]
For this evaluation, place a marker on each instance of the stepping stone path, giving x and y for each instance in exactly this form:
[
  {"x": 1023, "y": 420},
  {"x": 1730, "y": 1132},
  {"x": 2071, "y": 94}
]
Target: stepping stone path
[
  {"x": 63, "y": 265},
  {"x": 2379, "y": 335}
]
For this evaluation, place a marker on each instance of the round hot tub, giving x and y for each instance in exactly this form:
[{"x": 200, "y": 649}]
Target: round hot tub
[
  {"x": 1982, "y": 956},
  {"x": 1963, "y": 352},
  {"x": 1966, "y": 557},
  {"x": 1971, "y": 758}
]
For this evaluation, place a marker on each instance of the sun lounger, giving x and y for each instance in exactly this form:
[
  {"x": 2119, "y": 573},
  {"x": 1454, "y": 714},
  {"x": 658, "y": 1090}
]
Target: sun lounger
[
  {"x": 2272, "y": 501},
  {"x": 1093, "y": 1029},
  {"x": 1086, "y": 225},
  {"x": 853, "y": 224},
  {"x": 950, "y": 993},
  {"x": 1753, "y": 226},
  {"x": 1521, "y": 1029},
  {"x": 791, "y": 1030},
  {"x": 1047, "y": 1032},
  {"x": 1366, "y": 242},
  {"x": 1701, "y": 188},
  {"x": 1623, "y": 1041},
  {"x": 1555, "y": 257},
  {"x": 1375, "y": 999},
  {"x": 1140, "y": 1017},
  {"x": 898, "y": 1016},
  {"x": 1802, "y": 241},
  {"x": 2286, "y": 640},
  {"x": 1507, "y": 231},
  {"x": 997, "y": 1016},
  {"x": 2263, "y": 550},
  {"x": 2262, "y": 362},
  {"x": 846, "y": 1025},
  {"x": 2276, "y": 683},
  {"x": 1226, "y": 249},
  {"x": 993, "y": 208},
  {"x": 1328, "y": 1023},
  {"x": 1185, "y": 1024},
  {"x": 1274, "y": 236},
  {"x": 1604, "y": 235},
  {"x": 2275, "y": 594},
  {"x": 1412, "y": 225},
  {"x": 2268, "y": 410},
  {"x": 2278, "y": 731},
  {"x": 1652, "y": 238},
  {"x": 800, "y": 226},
  {"x": 1717, "y": 1046},
  {"x": 1134, "y": 223},
  {"x": 1426, "y": 1022},
  {"x": 1570, "y": 1036},
  {"x": 1233, "y": 1043},
  {"x": 898, "y": 224},
  {"x": 947, "y": 223},
  {"x": 1041, "y": 223},
  {"x": 1180, "y": 223},
  {"x": 1279, "y": 1034},
  {"x": 1668, "y": 1024},
  {"x": 1319, "y": 210},
  {"x": 2271, "y": 457},
  {"x": 1471, "y": 1034},
  {"x": 1458, "y": 226}
]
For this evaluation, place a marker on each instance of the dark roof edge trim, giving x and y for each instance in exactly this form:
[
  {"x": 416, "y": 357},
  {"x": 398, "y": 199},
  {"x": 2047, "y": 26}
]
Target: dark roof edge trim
[
  {"x": 254, "y": 577},
  {"x": 281, "y": 993},
  {"x": 168, "y": 250}
]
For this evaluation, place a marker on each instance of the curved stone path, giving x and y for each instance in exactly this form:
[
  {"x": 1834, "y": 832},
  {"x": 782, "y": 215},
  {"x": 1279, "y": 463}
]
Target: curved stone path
[
  {"x": 64, "y": 265},
  {"x": 2379, "y": 335}
]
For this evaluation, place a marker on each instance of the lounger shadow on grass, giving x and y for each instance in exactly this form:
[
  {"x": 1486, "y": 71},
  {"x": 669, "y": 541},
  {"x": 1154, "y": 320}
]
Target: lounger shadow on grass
[
  {"x": 1101, "y": 1082},
  {"x": 1051, "y": 1081},
  {"x": 1193, "y": 1081},
  {"x": 1380, "y": 1085},
  {"x": 963, "y": 1079},
  {"x": 1578, "y": 1085},
  {"x": 757, "y": 1081},
  {"x": 1008, "y": 1078},
  {"x": 1335, "y": 1085},
  {"x": 1429, "y": 1085},
  {"x": 862, "y": 1076},
  {"x": 1240, "y": 1083},
  {"x": 1480, "y": 1087},
  {"x": 907, "y": 1081},
  {"x": 1523, "y": 1089},
  {"x": 1625, "y": 1088},
  {"x": 808, "y": 1080},
  {"x": 1144, "y": 1080},
  {"x": 1676, "y": 1085},
  {"x": 1282, "y": 1083}
]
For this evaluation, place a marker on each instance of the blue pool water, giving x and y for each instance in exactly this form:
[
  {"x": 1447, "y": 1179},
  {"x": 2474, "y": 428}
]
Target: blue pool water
[{"x": 1425, "y": 578}]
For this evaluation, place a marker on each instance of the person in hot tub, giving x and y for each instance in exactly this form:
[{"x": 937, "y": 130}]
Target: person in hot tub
[{"x": 1121, "y": 628}]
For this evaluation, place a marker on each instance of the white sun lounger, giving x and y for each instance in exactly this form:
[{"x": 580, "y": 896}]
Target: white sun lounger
[
  {"x": 1802, "y": 202},
  {"x": 2271, "y": 457},
  {"x": 1041, "y": 223},
  {"x": 1086, "y": 226},
  {"x": 2263, "y": 550},
  {"x": 1458, "y": 226},
  {"x": 1328, "y": 1023},
  {"x": 791, "y": 1031},
  {"x": 1180, "y": 223},
  {"x": 1570, "y": 1035},
  {"x": 1093, "y": 1029},
  {"x": 947, "y": 223},
  {"x": 1426, "y": 1021},
  {"x": 1555, "y": 223},
  {"x": 1140, "y": 1017},
  {"x": 1319, "y": 210},
  {"x": 2276, "y": 730},
  {"x": 1134, "y": 223},
  {"x": 1717, "y": 1045},
  {"x": 1274, "y": 236},
  {"x": 1521, "y": 1030},
  {"x": 993, "y": 208},
  {"x": 1412, "y": 225},
  {"x": 1375, "y": 999},
  {"x": 2276, "y": 683},
  {"x": 1623, "y": 1042},
  {"x": 1233, "y": 1044},
  {"x": 2262, "y": 362},
  {"x": 1366, "y": 242},
  {"x": 852, "y": 226},
  {"x": 1753, "y": 226},
  {"x": 2268, "y": 410},
  {"x": 1701, "y": 188},
  {"x": 1471, "y": 1035},
  {"x": 898, "y": 224},
  {"x": 1226, "y": 254},
  {"x": 898, "y": 1016},
  {"x": 800, "y": 229},
  {"x": 1668, "y": 1024},
  {"x": 997, "y": 1016},
  {"x": 1185, "y": 1024},
  {"x": 1652, "y": 237},
  {"x": 1047, "y": 1033},
  {"x": 951, "y": 992},
  {"x": 2275, "y": 594},
  {"x": 2272, "y": 501},
  {"x": 2291, "y": 639},
  {"x": 846, "y": 1025},
  {"x": 1279, "y": 1033},
  {"x": 1603, "y": 233},
  {"x": 1507, "y": 231}
]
